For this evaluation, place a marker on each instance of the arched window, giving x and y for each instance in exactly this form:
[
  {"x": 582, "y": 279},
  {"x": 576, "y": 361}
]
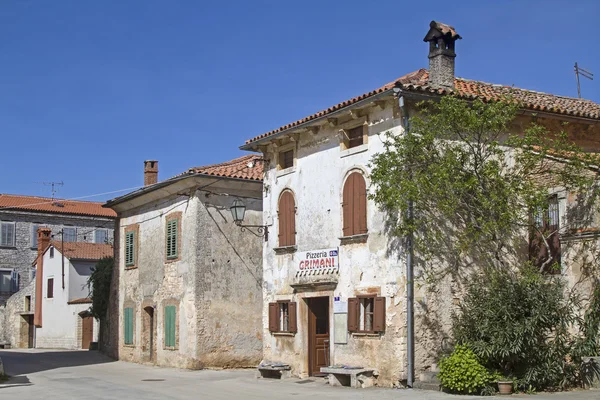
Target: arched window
[
  {"x": 287, "y": 219},
  {"x": 354, "y": 205}
]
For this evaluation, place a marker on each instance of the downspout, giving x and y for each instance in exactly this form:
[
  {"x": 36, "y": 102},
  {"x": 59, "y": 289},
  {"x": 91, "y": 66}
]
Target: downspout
[
  {"x": 410, "y": 318},
  {"x": 62, "y": 254}
]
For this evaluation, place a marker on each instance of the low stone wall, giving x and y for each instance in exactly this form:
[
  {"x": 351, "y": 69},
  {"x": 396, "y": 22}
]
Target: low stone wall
[{"x": 14, "y": 330}]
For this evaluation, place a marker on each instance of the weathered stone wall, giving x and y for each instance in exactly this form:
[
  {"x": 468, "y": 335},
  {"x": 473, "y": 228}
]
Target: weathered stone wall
[
  {"x": 24, "y": 253},
  {"x": 15, "y": 316}
]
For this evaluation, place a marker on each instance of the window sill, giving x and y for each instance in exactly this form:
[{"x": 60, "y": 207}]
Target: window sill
[
  {"x": 172, "y": 260},
  {"x": 284, "y": 334},
  {"x": 355, "y": 150},
  {"x": 366, "y": 334},
  {"x": 130, "y": 267},
  {"x": 287, "y": 171},
  {"x": 285, "y": 249},
  {"x": 131, "y": 346},
  {"x": 361, "y": 238},
  {"x": 8, "y": 247},
  {"x": 171, "y": 348}
]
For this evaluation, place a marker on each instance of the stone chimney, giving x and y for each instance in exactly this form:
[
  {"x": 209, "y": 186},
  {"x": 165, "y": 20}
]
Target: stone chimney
[
  {"x": 150, "y": 172},
  {"x": 44, "y": 235},
  {"x": 441, "y": 38}
]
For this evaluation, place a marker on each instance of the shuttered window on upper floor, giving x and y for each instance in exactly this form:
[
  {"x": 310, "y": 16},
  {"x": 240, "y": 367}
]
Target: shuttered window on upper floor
[
  {"x": 172, "y": 238},
  {"x": 287, "y": 219},
  {"x": 130, "y": 249},
  {"x": 544, "y": 237},
  {"x": 7, "y": 234},
  {"x": 354, "y": 205}
]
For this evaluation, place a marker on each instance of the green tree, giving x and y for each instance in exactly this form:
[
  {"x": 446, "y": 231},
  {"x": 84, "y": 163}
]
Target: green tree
[{"x": 99, "y": 285}]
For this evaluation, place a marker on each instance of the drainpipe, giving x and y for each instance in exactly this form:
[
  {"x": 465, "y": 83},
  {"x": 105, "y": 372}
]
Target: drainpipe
[{"x": 410, "y": 297}]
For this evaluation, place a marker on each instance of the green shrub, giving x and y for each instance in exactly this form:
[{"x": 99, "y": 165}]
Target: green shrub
[{"x": 461, "y": 372}]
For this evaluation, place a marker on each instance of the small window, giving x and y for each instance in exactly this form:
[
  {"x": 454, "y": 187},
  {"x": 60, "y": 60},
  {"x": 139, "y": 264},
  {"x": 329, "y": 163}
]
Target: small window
[
  {"x": 366, "y": 314},
  {"x": 69, "y": 234},
  {"x": 172, "y": 238},
  {"x": 170, "y": 326},
  {"x": 50, "y": 288},
  {"x": 101, "y": 236},
  {"x": 130, "y": 249},
  {"x": 355, "y": 137},
  {"x": 34, "y": 235},
  {"x": 7, "y": 234},
  {"x": 286, "y": 159},
  {"x": 544, "y": 238},
  {"x": 287, "y": 219},
  {"x": 5, "y": 282},
  {"x": 27, "y": 303},
  {"x": 282, "y": 317},
  {"x": 51, "y": 251},
  {"x": 128, "y": 325}
]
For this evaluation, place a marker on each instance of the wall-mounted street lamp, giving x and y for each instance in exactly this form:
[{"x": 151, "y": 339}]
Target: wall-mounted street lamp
[{"x": 238, "y": 211}]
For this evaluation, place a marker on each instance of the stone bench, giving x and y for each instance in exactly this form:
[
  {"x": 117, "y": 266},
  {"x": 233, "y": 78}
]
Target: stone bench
[
  {"x": 274, "y": 371},
  {"x": 355, "y": 378},
  {"x": 4, "y": 345}
]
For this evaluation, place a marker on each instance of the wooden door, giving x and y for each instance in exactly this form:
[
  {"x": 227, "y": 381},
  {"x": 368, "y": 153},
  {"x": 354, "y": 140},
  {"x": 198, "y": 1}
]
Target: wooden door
[
  {"x": 318, "y": 334},
  {"x": 30, "y": 329},
  {"x": 87, "y": 332}
]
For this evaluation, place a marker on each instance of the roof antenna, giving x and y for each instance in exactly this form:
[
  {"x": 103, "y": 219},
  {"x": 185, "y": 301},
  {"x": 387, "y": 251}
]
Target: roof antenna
[
  {"x": 53, "y": 185},
  {"x": 585, "y": 74}
]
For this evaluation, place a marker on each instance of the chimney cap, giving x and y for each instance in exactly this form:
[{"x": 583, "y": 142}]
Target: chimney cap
[{"x": 439, "y": 29}]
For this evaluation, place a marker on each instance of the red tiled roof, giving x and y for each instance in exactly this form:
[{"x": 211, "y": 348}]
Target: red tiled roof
[
  {"x": 55, "y": 206},
  {"x": 83, "y": 250},
  {"x": 85, "y": 300},
  {"x": 237, "y": 168},
  {"x": 418, "y": 82}
]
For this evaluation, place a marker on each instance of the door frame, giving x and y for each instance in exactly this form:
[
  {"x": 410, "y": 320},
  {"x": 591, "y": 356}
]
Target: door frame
[
  {"x": 86, "y": 315},
  {"x": 310, "y": 327}
]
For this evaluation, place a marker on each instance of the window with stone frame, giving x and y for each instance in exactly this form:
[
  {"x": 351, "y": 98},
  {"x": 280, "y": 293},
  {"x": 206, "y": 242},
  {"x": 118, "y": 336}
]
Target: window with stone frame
[
  {"x": 286, "y": 159},
  {"x": 50, "y": 288},
  {"x": 173, "y": 236},
  {"x": 282, "y": 317},
  {"x": 354, "y": 135},
  {"x": 544, "y": 237},
  {"x": 7, "y": 234}
]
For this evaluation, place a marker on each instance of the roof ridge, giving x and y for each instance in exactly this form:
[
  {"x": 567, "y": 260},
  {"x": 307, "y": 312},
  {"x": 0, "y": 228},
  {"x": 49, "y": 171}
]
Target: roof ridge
[
  {"x": 234, "y": 161},
  {"x": 49, "y": 198}
]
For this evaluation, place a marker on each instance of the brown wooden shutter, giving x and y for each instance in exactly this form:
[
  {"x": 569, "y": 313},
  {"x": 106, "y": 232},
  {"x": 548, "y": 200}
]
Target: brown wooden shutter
[
  {"x": 292, "y": 315},
  {"x": 287, "y": 220},
  {"x": 379, "y": 314},
  {"x": 360, "y": 188},
  {"x": 353, "y": 313},
  {"x": 347, "y": 205},
  {"x": 291, "y": 220},
  {"x": 273, "y": 317}
]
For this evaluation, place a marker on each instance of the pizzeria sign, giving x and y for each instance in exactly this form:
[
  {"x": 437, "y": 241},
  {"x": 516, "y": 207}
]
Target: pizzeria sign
[{"x": 318, "y": 259}]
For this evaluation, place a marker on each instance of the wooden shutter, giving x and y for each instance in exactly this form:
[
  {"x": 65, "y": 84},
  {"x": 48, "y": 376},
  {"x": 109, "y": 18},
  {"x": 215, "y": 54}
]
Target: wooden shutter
[
  {"x": 292, "y": 315},
  {"x": 169, "y": 326},
  {"x": 287, "y": 219},
  {"x": 347, "y": 205},
  {"x": 353, "y": 313},
  {"x": 130, "y": 248},
  {"x": 172, "y": 238},
  {"x": 128, "y": 325},
  {"x": 360, "y": 191},
  {"x": 273, "y": 317},
  {"x": 379, "y": 314}
]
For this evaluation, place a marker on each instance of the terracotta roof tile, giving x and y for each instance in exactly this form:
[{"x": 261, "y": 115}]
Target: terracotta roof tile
[
  {"x": 84, "y": 250},
  {"x": 85, "y": 300},
  {"x": 418, "y": 81},
  {"x": 237, "y": 168},
  {"x": 55, "y": 206}
]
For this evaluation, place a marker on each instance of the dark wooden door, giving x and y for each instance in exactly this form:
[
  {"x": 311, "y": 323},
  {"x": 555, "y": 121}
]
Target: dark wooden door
[
  {"x": 318, "y": 334},
  {"x": 87, "y": 332},
  {"x": 30, "y": 331}
]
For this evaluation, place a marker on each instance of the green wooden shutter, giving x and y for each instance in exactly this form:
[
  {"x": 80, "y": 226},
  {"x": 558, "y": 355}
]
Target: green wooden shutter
[
  {"x": 128, "y": 325},
  {"x": 172, "y": 238},
  {"x": 169, "y": 326},
  {"x": 130, "y": 248}
]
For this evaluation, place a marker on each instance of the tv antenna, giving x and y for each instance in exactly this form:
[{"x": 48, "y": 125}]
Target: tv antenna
[
  {"x": 54, "y": 186},
  {"x": 585, "y": 74}
]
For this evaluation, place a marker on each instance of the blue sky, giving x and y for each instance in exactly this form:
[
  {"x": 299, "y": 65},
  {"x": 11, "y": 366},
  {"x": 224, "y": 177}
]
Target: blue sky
[{"x": 90, "y": 89}]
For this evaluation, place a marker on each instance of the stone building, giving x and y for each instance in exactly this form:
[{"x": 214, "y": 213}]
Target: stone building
[
  {"x": 62, "y": 317},
  {"x": 188, "y": 278},
  {"x": 21, "y": 216},
  {"x": 334, "y": 282}
]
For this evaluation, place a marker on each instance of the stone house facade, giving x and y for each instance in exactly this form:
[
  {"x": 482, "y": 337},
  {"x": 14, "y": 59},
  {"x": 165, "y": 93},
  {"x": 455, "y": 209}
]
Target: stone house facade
[
  {"x": 188, "y": 279},
  {"x": 62, "y": 301},
  {"x": 334, "y": 281},
  {"x": 21, "y": 216}
]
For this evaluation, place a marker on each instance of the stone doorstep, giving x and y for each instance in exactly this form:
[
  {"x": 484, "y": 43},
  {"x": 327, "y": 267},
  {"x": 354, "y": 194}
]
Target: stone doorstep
[
  {"x": 355, "y": 378},
  {"x": 269, "y": 371}
]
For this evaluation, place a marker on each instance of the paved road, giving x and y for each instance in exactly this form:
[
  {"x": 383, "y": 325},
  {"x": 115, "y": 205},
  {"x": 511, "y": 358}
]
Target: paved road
[{"x": 41, "y": 374}]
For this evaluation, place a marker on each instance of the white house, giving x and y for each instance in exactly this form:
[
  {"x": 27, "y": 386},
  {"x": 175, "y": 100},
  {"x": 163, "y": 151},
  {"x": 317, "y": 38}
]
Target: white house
[
  {"x": 63, "y": 319},
  {"x": 334, "y": 282}
]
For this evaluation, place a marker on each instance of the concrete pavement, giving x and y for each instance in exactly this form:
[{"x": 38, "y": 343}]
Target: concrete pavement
[{"x": 40, "y": 374}]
